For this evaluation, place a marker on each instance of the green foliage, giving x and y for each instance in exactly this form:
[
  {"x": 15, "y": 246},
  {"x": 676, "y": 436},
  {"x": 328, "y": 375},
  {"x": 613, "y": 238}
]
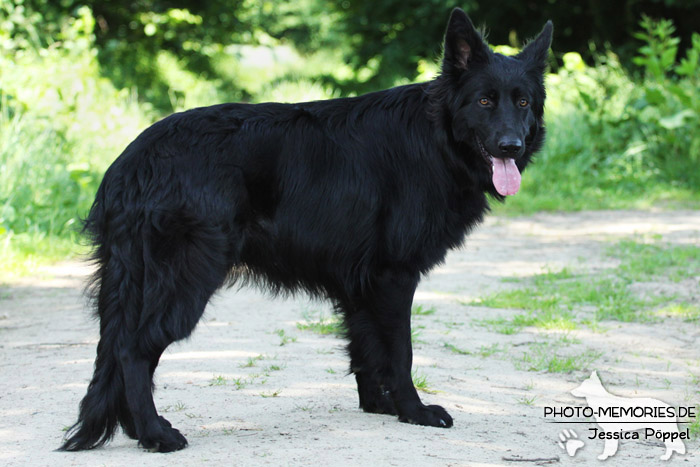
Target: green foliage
[
  {"x": 60, "y": 125},
  {"x": 80, "y": 79},
  {"x": 658, "y": 54},
  {"x": 614, "y": 141},
  {"x": 134, "y": 37},
  {"x": 669, "y": 107},
  {"x": 386, "y": 41}
]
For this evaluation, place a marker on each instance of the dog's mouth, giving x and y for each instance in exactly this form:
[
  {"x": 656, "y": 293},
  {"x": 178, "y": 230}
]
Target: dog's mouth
[{"x": 504, "y": 173}]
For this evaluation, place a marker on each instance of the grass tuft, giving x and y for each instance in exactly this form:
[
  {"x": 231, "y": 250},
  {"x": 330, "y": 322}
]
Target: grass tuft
[
  {"x": 420, "y": 381},
  {"x": 322, "y": 324}
]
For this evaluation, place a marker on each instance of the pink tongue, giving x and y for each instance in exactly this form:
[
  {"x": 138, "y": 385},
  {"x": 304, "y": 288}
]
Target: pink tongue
[{"x": 506, "y": 176}]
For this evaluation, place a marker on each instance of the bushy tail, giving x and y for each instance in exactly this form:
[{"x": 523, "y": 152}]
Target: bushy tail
[
  {"x": 115, "y": 289},
  {"x": 99, "y": 409}
]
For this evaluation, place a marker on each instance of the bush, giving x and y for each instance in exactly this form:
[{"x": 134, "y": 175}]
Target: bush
[
  {"x": 669, "y": 106},
  {"x": 60, "y": 126},
  {"x": 615, "y": 141}
]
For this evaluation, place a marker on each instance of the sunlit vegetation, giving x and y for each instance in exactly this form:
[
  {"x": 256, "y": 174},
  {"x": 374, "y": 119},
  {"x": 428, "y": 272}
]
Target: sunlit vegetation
[{"x": 79, "y": 81}]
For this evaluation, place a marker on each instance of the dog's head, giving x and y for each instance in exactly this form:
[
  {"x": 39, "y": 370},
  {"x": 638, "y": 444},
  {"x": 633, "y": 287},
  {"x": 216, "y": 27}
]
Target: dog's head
[
  {"x": 590, "y": 387},
  {"x": 494, "y": 103}
]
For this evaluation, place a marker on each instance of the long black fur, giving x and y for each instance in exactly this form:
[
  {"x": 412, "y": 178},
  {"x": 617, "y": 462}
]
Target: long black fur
[{"x": 349, "y": 199}]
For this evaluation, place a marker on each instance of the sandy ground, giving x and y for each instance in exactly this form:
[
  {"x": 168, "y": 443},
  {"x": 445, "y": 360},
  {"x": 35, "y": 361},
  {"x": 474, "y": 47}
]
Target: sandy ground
[{"x": 295, "y": 405}]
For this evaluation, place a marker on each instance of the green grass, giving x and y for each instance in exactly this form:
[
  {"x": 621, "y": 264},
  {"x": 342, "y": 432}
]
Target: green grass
[
  {"x": 685, "y": 311},
  {"x": 218, "y": 381},
  {"x": 489, "y": 350},
  {"x": 416, "y": 333},
  {"x": 641, "y": 261},
  {"x": 559, "y": 300},
  {"x": 561, "y": 320},
  {"x": 275, "y": 368},
  {"x": 483, "y": 351},
  {"x": 240, "y": 383},
  {"x": 548, "y": 357},
  {"x": 177, "y": 407},
  {"x": 456, "y": 350},
  {"x": 23, "y": 254},
  {"x": 284, "y": 337},
  {"x": 252, "y": 361},
  {"x": 569, "y": 196},
  {"x": 694, "y": 425},
  {"x": 420, "y": 381},
  {"x": 420, "y": 310},
  {"x": 322, "y": 324},
  {"x": 526, "y": 400}
]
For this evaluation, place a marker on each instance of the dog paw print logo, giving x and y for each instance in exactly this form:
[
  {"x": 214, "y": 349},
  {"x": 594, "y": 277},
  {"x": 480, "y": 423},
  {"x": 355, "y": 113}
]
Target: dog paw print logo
[
  {"x": 601, "y": 401},
  {"x": 569, "y": 442}
]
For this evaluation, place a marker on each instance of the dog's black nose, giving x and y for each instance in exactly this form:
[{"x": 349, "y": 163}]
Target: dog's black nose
[{"x": 510, "y": 146}]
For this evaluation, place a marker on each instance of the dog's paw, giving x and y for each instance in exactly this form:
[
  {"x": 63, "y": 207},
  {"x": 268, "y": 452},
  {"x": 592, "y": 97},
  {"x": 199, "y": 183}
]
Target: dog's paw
[
  {"x": 163, "y": 438},
  {"x": 428, "y": 415},
  {"x": 569, "y": 442}
]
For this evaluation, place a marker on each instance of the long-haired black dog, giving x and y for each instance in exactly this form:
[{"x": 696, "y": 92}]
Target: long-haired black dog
[{"x": 349, "y": 199}]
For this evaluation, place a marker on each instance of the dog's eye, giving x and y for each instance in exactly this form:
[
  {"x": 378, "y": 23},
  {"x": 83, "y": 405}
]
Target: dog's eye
[
  {"x": 484, "y": 101},
  {"x": 523, "y": 103}
]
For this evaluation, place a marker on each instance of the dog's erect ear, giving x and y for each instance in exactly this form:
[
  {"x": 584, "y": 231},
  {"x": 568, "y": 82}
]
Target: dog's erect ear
[
  {"x": 463, "y": 44},
  {"x": 537, "y": 51}
]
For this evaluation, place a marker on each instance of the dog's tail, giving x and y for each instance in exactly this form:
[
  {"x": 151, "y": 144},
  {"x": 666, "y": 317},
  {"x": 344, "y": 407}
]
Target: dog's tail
[
  {"x": 100, "y": 408},
  {"x": 116, "y": 289}
]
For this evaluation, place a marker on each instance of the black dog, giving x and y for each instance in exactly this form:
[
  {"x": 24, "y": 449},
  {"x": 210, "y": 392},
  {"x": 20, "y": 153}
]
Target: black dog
[{"x": 350, "y": 199}]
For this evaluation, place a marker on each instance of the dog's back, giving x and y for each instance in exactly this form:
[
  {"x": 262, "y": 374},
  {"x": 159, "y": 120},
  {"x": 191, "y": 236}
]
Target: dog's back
[{"x": 350, "y": 183}]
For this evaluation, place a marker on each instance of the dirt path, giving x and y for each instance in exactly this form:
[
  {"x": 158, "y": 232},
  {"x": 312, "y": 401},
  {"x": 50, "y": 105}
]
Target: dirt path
[{"x": 241, "y": 398}]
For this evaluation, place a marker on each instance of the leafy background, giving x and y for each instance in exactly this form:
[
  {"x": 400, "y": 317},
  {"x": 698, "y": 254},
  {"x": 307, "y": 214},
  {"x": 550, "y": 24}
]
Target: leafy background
[{"x": 80, "y": 79}]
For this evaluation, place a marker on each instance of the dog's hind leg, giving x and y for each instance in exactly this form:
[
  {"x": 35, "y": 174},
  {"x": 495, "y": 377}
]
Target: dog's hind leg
[
  {"x": 674, "y": 445},
  {"x": 154, "y": 280},
  {"x": 185, "y": 264},
  {"x": 383, "y": 337},
  {"x": 124, "y": 414},
  {"x": 117, "y": 290},
  {"x": 153, "y": 433}
]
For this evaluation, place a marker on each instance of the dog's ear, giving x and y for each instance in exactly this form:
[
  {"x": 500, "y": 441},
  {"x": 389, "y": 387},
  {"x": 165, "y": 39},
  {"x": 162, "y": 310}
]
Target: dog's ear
[
  {"x": 537, "y": 51},
  {"x": 463, "y": 44}
]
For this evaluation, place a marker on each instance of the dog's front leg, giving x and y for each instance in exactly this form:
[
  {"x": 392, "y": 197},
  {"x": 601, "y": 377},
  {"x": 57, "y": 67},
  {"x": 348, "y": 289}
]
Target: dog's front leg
[{"x": 390, "y": 310}]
